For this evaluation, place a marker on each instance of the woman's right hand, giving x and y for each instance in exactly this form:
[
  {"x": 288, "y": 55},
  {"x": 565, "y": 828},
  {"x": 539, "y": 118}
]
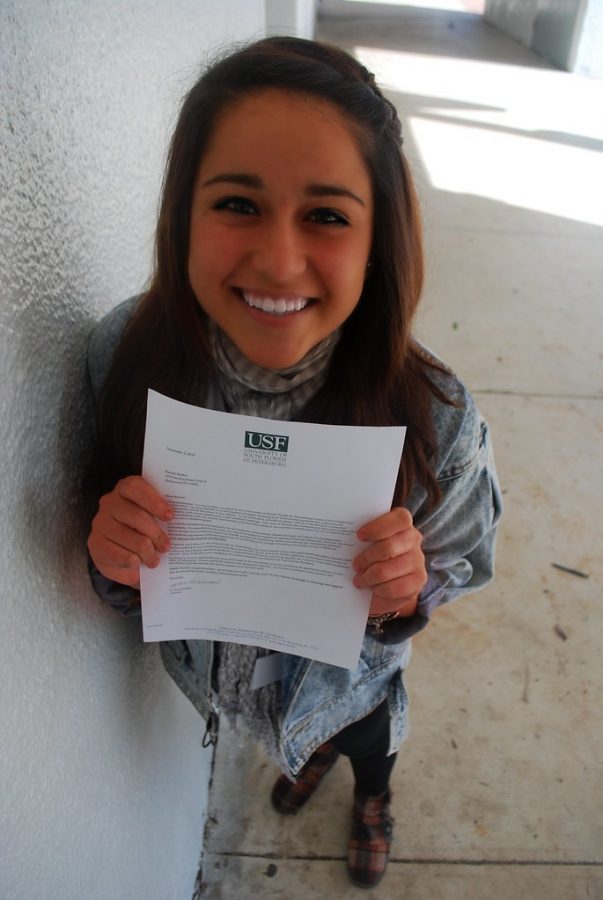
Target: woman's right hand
[{"x": 124, "y": 533}]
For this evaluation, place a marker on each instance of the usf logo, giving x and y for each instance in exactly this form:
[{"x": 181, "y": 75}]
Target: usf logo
[{"x": 255, "y": 440}]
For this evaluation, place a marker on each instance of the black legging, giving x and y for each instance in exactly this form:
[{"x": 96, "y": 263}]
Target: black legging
[{"x": 366, "y": 743}]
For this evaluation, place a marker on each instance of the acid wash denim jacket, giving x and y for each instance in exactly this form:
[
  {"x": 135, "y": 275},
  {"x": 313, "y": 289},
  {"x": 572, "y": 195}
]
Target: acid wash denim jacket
[{"x": 319, "y": 700}]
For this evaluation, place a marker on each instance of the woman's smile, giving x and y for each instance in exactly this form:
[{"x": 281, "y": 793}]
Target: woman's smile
[
  {"x": 281, "y": 225},
  {"x": 274, "y": 306}
]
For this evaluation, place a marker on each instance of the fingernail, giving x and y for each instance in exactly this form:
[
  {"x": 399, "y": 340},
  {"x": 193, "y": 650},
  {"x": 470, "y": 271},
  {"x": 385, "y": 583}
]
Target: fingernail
[
  {"x": 357, "y": 581},
  {"x": 164, "y": 546}
]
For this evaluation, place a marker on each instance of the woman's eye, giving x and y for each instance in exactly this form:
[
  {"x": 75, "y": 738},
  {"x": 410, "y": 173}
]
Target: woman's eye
[
  {"x": 325, "y": 216},
  {"x": 236, "y": 205}
]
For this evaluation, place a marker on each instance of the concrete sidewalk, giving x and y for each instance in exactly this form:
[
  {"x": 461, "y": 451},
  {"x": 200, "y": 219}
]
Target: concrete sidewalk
[{"x": 498, "y": 793}]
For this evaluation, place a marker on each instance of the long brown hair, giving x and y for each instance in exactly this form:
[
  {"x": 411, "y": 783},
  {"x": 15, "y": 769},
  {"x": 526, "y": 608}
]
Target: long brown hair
[{"x": 378, "y": 374}]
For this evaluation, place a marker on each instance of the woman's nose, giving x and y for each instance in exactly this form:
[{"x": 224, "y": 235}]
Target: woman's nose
[{"x": 280, "y": 254}]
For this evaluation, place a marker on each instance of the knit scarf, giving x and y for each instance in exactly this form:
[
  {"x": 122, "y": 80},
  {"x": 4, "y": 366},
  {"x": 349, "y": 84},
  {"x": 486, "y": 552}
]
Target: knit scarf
[{"x": 251, "y": 390}]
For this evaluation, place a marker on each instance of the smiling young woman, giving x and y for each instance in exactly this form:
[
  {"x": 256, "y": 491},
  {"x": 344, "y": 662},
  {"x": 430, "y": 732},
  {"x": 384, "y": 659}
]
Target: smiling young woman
[
  {"x": 288, "y": 270},
  {"x": 281, "y": 226}
]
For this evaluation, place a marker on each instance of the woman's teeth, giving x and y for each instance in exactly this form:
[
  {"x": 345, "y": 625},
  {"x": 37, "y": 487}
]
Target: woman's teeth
[{"x": 278, "y": 307}]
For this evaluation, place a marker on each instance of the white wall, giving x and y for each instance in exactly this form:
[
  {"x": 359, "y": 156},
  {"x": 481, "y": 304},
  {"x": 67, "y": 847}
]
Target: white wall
[
  {"x": 102, "y": 777},
  {"x": 292, "y": 17},
  {"x": 514, "y": 17},
  {"x": 550, "y": 28},
  {"x": 588, "y": 57}
]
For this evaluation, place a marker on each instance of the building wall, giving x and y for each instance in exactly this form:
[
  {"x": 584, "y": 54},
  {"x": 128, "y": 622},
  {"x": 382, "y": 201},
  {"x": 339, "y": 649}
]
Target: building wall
[
  {"x": 588, "y": 58},
  {"x": 102, "y": 777},
  {"x": 550, "y": 28}
]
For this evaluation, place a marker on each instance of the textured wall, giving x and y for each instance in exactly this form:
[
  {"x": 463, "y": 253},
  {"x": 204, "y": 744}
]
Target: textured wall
[{"x": 102, "y": 778}]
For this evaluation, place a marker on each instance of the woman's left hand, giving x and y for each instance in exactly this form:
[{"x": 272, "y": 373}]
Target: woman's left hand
[{"x": 393, "y": 567}]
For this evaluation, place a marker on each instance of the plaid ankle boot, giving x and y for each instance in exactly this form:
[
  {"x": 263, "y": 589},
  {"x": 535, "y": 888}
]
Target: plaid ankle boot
[
  {"x": 370, "y": 840},
  {"x": 289, "y": 796}
]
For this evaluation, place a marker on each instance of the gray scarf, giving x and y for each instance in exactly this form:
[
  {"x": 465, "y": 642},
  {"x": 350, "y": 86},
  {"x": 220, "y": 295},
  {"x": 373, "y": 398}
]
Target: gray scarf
[{"x": 251, "y": 390}]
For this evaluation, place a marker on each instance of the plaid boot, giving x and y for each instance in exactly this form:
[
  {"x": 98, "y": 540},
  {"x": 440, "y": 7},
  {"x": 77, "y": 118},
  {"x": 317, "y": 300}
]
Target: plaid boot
[
  {"x": 289, "y": 796},
  {"x": 370, "y": 840}
]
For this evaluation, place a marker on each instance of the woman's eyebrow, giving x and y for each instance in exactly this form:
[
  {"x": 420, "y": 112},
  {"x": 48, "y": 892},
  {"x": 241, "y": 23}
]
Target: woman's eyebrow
[
  {"x": 254, "y": 181},
  {"x": 332, "y": 190}
]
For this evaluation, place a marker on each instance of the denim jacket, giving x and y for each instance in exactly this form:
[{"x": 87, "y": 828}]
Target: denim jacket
[{"x": 318, "y": 699}]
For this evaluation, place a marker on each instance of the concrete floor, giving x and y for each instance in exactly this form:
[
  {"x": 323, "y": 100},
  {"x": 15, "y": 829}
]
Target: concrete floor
[{"x": 498, "y": 792}]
